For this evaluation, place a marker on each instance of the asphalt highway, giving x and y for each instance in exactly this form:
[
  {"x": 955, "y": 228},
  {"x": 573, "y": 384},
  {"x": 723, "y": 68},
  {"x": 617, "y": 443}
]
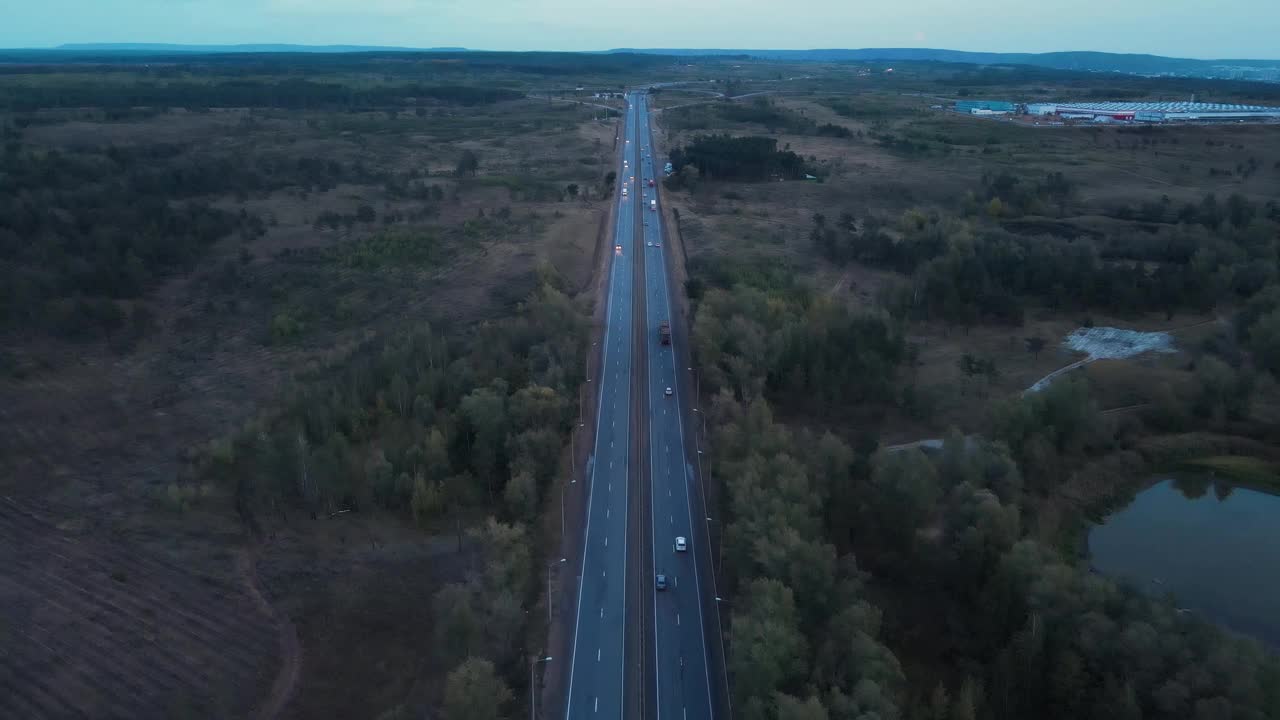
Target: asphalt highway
[
  {"x": 681, "y": 672},
  {"x": 596, "y": 674},
  {"x": 638, "y": 651}
]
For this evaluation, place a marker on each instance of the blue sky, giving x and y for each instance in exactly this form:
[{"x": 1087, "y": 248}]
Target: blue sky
[{"x": 1183, "y": 28}]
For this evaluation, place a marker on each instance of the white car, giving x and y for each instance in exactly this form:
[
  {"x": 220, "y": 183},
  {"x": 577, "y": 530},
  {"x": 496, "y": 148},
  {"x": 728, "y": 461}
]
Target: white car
[
  {"x": 650, "y": 243},
  {"x": 668, "y": 392},
  {"x": 681, "y": 545}
]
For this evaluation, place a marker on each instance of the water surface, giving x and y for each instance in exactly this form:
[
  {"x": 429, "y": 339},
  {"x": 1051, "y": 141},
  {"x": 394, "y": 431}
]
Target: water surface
[{"x": 1214, "y": 547}]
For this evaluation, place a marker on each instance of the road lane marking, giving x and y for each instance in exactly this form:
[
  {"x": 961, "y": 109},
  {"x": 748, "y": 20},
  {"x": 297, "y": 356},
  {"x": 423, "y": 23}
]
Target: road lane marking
[
  {"x": 597, "y": 654},
  {"x": 606, "y": 541},
  {"x": 620, "y": 292}
]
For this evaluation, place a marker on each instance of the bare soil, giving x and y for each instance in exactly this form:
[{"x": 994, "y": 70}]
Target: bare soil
[{"x": 94, "y": 628}]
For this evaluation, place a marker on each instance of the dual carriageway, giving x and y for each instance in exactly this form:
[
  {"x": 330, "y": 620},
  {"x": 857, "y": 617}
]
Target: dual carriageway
[{"x": 638, "y": 650}]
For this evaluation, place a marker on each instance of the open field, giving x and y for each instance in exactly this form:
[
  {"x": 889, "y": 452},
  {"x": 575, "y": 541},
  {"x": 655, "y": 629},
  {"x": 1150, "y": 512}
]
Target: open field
[{"x": 349, "y": 228}]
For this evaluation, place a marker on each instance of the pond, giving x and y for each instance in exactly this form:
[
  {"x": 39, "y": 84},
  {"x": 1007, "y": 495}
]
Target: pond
[{"x": 1215, "y": 547}]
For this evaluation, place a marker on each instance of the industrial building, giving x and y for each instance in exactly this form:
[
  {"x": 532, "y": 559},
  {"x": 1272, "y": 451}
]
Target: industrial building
[
  {"x": 1154, "y": 111},
  {"x": 985, "y": 107}
]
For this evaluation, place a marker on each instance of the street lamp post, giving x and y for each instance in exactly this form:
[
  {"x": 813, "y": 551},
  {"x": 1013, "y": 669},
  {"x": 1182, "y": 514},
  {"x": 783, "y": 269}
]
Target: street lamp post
[
  {"x": 719, "y": 546},
  {"x": 533, "y": 664},
  {"x": 549, "y": 566}
]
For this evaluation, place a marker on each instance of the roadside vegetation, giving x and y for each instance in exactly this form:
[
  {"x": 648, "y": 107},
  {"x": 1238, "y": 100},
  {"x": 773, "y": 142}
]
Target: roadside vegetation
[
  {"x": 914, "y": 293},
  {"x": 310, "y": 325}
]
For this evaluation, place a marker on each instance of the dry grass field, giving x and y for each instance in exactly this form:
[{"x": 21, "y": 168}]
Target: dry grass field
[{"x": 131, "y": 601}]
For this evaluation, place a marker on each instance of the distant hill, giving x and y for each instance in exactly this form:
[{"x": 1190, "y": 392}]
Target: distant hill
[
  {"x": 266, "y": 48},
  {"x": 1265, "y": 70},
  {"x": 1086, "y": 61}
]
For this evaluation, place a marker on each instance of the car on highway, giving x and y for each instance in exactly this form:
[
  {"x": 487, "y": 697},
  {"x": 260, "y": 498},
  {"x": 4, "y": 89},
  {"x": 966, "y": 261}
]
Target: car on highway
[
  {"x": 617, "y": 249},
  {"x": 660, "y": 582},
  {"x": 650, "y": 243},
  {"x": 681, "y": 544},
  {"x": 668, "y": 392}
]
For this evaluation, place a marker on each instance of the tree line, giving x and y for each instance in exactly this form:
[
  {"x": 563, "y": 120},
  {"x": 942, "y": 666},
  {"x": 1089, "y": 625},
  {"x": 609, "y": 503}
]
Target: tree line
[
  {"x": 289, "y": 93},
  {"x": 795, "y": 348},
  {"x": 726, "y": 157},
  {"x": 815, "y": 527},
  {"x": 449, "y": 432},
  {"x": 965, "y": 275},
  {"x": 1030, "y": 634},
  {"x": 81, "y": 231},
  {"x": 421, "y": 423},
  {"x": 805, "y": 641}
]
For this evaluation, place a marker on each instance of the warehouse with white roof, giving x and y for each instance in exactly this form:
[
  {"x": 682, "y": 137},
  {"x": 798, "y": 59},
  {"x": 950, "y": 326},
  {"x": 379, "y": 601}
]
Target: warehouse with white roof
[{"x": 1155, "y": 111}]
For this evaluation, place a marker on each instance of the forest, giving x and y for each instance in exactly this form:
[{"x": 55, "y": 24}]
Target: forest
[
  {"x": 810, "y": 519},
  {"x": 725, "y": 157},
  {"x": 871, "y": 582},
  {"x": 114, "y": 220},
  {"x": 966, "y": 272},
  {"x": 292, "y": 93},
  {"x": 449, "y": 432}
]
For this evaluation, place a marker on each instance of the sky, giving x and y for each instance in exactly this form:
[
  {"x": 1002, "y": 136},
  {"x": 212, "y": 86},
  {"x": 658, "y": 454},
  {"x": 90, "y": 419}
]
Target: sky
[{"x": 1180, "y": 28}]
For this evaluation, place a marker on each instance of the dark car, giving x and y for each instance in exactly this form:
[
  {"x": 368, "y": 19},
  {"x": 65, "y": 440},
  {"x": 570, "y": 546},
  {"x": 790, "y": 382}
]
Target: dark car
[{"x": 661, "y": 581}]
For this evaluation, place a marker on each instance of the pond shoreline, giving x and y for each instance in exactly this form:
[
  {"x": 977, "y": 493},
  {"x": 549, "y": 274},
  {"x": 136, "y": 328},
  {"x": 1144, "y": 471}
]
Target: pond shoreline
[{"x": 1201, "y": 539}]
